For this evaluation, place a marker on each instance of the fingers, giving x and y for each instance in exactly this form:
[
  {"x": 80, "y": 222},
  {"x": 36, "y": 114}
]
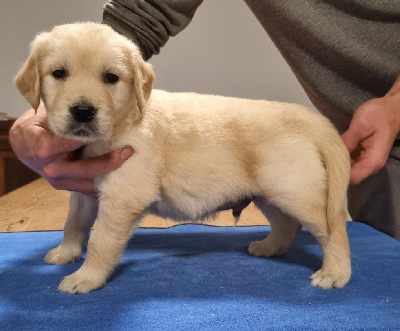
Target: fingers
[
  {"x": 45, "y": 143},
  {"x": 78, "y": 185},
  {"x": 352, "y": 138},
  {"x": 86, "y": 168},
  {"x": 369, "y": 138},
  {"x": 368, "y": 154},
  {"x": 369, "y": 163},
  {"x": 79, "y": 175}
]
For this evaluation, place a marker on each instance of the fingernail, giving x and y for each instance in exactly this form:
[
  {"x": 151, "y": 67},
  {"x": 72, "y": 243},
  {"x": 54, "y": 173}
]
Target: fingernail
[{"x": 126, "y": 153}]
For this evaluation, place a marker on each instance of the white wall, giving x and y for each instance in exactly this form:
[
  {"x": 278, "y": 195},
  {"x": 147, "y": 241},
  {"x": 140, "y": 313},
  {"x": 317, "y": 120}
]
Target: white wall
[{"x": 223, "y": 51}]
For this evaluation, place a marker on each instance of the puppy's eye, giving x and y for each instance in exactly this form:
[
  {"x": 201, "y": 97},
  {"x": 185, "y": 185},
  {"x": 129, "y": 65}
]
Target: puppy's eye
[
  {"x": 59, "y": 74},
  {"x": 110, "y": 78}
]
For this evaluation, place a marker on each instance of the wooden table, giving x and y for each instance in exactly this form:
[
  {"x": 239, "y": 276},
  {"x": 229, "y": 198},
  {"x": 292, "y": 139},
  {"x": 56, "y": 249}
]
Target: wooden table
[
  {"x": 39, "y": 207},
  {"x": 13, "y": 173}
]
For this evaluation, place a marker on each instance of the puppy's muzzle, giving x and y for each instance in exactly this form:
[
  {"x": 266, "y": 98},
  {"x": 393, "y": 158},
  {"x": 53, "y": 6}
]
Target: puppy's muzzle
[{"x": 83, "y": 112}]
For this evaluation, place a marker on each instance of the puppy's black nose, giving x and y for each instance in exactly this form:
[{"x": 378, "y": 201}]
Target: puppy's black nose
[{"x": 83, "y": 112}]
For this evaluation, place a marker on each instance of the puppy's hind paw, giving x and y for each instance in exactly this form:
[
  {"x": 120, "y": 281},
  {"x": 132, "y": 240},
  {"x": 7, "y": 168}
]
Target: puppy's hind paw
[
  {"x": 257, "y": 248},
  {"x": 63, "y": 255},
  {"x": 328, "y": 279}
]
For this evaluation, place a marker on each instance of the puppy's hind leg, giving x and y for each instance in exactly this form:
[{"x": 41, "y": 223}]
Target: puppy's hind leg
[
  {"x": 284, "y": 230},
  {"x": 332, "y": 237},
  {"x": 309, "y": 181},
  {"x": 336, "y": 266},
  {"x": 81, "y": 216}
]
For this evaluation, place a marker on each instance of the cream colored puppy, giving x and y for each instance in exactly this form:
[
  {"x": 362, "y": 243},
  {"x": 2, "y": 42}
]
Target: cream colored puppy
[{"x": 193, "y": 154}]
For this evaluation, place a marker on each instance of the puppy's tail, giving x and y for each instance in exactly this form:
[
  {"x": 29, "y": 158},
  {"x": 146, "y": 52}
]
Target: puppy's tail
[{"x": 335, "y": 157}]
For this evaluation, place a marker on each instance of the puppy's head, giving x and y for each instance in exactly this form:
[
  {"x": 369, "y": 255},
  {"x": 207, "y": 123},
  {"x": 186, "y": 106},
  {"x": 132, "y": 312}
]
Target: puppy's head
[{"x": 91, "y": 79}]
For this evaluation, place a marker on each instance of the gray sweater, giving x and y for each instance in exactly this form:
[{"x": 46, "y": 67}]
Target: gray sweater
[{"x": 343, "y": 52}]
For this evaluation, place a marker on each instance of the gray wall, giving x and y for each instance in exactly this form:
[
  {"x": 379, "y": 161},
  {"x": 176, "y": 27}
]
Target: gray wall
[{"x": 223, "y": 51}]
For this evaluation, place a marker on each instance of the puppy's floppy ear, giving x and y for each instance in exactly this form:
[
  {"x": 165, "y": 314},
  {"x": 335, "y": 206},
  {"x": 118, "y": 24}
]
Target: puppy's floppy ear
[
  {"x": 143, "y": 83},
  {"x": 28, "y": 78}
]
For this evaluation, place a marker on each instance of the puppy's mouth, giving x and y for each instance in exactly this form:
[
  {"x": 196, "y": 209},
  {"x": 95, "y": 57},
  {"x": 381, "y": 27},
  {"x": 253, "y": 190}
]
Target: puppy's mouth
[{"x": 86, "y": 131}]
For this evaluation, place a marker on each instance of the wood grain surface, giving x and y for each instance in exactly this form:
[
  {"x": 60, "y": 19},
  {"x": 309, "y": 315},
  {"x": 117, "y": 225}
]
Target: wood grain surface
[{"x": 39, "y": 207}]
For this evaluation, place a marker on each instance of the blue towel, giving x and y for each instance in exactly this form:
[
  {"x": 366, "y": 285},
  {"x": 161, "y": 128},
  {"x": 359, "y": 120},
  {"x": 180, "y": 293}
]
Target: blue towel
[{"x": 197, "y": 277}]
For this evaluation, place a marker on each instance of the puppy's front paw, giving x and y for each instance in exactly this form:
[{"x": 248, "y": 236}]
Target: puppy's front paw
[
  {"x": 81, "y": 282},
  {"x": 63, "y": 255},
  {"x": 327, "y": 278}
]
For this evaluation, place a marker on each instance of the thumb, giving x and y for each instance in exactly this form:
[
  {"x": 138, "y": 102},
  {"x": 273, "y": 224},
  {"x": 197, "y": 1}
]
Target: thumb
[
  {"x": 372, "y": 158},
  {"x": 51, "y": 143},
  {"x": 352, "y": 139}
]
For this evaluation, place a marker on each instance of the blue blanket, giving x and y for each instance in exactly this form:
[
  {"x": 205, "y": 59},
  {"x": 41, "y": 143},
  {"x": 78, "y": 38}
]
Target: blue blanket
[{"x": 197, "y": 277}]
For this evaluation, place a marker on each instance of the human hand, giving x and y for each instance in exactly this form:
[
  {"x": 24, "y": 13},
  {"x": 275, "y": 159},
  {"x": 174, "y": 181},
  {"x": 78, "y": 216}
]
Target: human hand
[
  {"x": 371, "y": 135},
  {"x": 56, "y": 158}
]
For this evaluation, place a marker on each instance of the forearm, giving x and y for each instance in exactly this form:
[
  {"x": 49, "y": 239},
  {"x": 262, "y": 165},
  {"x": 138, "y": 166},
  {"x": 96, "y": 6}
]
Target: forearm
[
  {"x": 392, "y": 100},
  {"x": 149, "y": 23}
]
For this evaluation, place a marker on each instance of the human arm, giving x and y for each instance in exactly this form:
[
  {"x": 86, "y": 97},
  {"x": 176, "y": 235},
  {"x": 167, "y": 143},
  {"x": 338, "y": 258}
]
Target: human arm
[
  {"x": 149, "y": 23},
  {"x": 55, "y": 158},
  {"x": 372, "y": 132}
]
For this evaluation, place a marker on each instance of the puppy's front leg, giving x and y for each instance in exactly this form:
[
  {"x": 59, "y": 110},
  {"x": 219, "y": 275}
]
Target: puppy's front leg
[
  {"x": 109, "y": 238},
  {"x": 81, "y": 216}
]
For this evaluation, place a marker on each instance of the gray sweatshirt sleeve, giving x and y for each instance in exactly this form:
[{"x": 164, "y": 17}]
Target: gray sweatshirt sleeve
[{"x": 149, "y": 23}]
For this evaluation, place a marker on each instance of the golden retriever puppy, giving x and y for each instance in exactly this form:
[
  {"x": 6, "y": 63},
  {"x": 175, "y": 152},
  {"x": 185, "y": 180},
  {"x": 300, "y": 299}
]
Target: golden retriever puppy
[{"x": 193, "y": 154}]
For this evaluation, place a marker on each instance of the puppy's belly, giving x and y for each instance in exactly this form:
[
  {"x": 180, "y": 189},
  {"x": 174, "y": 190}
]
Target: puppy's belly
[{"x": 195, "y": 211}]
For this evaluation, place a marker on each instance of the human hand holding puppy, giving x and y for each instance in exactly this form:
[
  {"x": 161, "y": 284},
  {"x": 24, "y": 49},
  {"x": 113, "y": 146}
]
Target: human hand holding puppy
[
  {"x": 57, "y": 159},
  {"x": 372, "y": 132}
]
